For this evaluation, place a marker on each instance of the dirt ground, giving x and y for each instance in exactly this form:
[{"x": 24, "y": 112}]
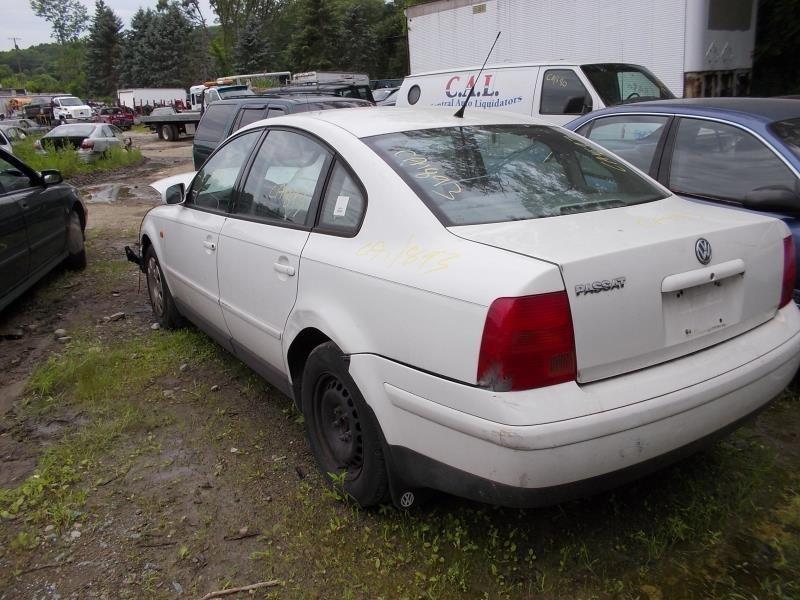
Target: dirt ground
[{"x": 139, "y": 463}]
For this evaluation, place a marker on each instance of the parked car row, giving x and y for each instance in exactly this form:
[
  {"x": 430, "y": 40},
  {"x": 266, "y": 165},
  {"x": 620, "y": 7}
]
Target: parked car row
[{"x": 616, "y": 327}]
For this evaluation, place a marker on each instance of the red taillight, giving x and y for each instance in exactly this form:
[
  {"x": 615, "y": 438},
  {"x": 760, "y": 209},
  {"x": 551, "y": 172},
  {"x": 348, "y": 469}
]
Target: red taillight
[
  {"x": 527, "y": 343},
  {"x": 87, "y": 144},
  {"x": 789, "y": 271}
]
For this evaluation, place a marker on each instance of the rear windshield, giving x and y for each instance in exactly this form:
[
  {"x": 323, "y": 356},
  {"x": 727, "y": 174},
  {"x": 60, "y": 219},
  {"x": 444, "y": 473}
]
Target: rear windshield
[
  {"x": 71, "y": 130},
  {"x": 214, "y": 122},
  {"x": 789, "y": 132},
  {"x": 622, "y": 84},
  {"x": 497, "y": 173}
]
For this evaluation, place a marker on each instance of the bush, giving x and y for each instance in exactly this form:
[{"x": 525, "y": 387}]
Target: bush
[{"x": 68, "y": 162}]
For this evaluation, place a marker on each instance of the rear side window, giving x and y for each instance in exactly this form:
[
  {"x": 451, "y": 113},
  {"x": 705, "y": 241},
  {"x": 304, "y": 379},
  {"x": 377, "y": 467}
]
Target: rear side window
[
  {"x": 497, "y": 173},
  {"x": 214, "y": 122},
  {"x": 250, "y": 115},
  {"x": 715, "y": 160},
  {"x": 563, "y": 93},
  {"x": 634, "y": 138},
  {"x": 275, "y": 111},
  {"x": 344, "y": 203}
]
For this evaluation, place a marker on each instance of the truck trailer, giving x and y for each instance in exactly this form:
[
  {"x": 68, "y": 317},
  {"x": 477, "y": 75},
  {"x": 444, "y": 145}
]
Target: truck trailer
[{"x": 698, "y": 48}]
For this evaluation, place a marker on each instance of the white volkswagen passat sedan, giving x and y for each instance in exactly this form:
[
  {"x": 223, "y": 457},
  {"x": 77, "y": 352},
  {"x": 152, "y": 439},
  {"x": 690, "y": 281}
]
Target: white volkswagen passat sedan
[{"x": 489, "y": 306}]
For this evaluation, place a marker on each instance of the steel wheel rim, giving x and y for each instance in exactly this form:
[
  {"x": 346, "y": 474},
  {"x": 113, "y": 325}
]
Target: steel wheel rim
[
  {"x": 156, "y": 286},
  {"x": 338, "y": 426}
]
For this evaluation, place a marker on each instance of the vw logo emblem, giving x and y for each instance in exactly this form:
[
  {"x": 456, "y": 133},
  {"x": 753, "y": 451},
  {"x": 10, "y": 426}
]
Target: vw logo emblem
[
  {"x": 407, "y": 499},
  {"x": 702, "y": 250}
]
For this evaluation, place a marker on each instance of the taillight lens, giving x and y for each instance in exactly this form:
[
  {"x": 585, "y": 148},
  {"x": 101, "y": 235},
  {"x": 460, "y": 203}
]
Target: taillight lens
[
  {"x": 87, "y": 144},
  {"x": 528, "y": 342},
  {"x": 789, "y": 271}
]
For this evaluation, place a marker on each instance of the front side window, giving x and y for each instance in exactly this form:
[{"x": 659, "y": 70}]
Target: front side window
[
  {"x": 632, "y": 137},
  {"x": 250, "y": 115},
  {"x": 497, "y": 173},
  {"x": 715, "y": 160},
  {"x": 212, "y": 187},
  {"x": 563, "y": 93},
  {"x": 275, "y": 111},
  {"x": 283, "y": 178},
  {"x": 618, "y": 83},
  {"x": 12, "y": 179}
]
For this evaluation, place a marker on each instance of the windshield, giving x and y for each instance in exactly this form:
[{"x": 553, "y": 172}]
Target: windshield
[
  {"x": 622, "y": 84},
  {"x": 496, "y": 173},
  {"x": 789, "y": 132},
  {"x": 70, "y": 101}
]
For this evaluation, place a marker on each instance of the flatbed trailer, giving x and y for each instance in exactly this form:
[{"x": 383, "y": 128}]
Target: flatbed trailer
[{"x": 170, "y": 127}]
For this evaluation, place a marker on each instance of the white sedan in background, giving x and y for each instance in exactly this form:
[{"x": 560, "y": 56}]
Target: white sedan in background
[{"x": 489, "y": 306}]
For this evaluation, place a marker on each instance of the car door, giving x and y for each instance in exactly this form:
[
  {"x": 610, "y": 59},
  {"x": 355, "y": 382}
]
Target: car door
[
  {"x": 191, "y": 240},
  {"x": 639, "y": 139},
  {"x": 249, "y": 113},
  {"x": 14, "y": 252},
  {"x": 45, "y": 213},
  {"x": 261, "y": 243}
]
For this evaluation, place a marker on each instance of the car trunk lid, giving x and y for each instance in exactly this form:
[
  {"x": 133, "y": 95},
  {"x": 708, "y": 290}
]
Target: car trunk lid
[
  {"x": 638, "y": 291},
  {"x": 73, "y": 141}
]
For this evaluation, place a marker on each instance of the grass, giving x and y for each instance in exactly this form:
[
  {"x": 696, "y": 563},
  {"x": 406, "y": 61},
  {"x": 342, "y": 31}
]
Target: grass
[
  {"x": 723, "y": 524},
  {"x": 68, "y": 162}
]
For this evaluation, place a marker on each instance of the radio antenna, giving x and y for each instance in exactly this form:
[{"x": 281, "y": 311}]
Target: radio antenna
[{"x": 460, "y": 111}]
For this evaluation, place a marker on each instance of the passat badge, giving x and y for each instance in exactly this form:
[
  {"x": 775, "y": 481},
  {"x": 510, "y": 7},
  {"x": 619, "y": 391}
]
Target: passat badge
[
  {"x": 702, "y": 250},
  {"x": 605, "y": 285}
]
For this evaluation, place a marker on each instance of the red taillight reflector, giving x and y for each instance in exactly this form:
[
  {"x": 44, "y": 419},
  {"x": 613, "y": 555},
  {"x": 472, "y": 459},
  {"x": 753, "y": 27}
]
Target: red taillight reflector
[
  {"x": 528, "y": 342},
  {"x": 87, "y": 144},
  {"x": 789, "y": 271}
]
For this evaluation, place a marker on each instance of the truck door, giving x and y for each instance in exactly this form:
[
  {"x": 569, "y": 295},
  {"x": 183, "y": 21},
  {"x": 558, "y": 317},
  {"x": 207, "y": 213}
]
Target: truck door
[{"x": 562, "y": 94}]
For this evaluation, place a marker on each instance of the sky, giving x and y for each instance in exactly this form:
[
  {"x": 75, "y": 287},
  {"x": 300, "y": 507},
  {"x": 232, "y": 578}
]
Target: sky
[{"x": 34, "y": 30}]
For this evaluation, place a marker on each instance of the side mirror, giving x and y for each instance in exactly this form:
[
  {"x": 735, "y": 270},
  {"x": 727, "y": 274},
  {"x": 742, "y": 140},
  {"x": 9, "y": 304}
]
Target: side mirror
[
  {"x": 174, "y": 194},
  {"x": 51, "y": 177},
  {"x": 773, "y": 198}
]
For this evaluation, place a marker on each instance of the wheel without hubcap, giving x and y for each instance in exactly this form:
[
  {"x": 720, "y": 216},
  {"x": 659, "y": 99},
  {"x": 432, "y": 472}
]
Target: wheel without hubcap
[
  {"x": 342, "y": 431},
  {"x": 76, "y": 251},
  {"x": 164, "y": 308}
]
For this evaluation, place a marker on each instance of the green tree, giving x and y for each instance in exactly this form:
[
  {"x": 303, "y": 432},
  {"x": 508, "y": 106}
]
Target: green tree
[
  {"x": 102, "y": 51},
  {"x": 68, "y": 18},
  {"x": 357, "y": 39},
  {"x": 313, "y": 45},
  {"x": 776, "y": 70},
  {"x": 252, "y": 53}
]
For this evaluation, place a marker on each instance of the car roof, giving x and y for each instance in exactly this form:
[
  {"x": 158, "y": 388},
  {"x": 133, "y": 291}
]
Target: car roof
[
  {"x": 765, "y": 110},
  {"x": 369, "y": 121},
  {"x": 494, "y": 67},
  {"x": 290, "y": 98}
]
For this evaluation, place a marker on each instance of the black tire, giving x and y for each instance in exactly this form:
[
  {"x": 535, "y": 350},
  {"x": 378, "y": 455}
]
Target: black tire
[
  {"x": 164, "y": 309},
  {"x": 76, "y": 248},
  {"x": 341, "y": 429},
  {"x": 163, "y": 132}
]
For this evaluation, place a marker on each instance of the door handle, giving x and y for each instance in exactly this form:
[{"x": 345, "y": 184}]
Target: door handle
[
  {"x": 210, "y": 245},
  {"x": 285, "y": 269}
]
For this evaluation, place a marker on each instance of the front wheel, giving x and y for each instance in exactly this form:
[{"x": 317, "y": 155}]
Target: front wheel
[
  {"x": 164, "y": 309},
  {"x": 342, "y": 431},
  {"x": 76, "y": 249}
]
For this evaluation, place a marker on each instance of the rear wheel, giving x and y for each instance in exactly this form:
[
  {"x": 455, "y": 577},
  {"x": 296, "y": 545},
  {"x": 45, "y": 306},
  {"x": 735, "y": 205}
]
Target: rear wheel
[
  {"x": 76, "y": 249},
  {"x": 342, "y": 431},
  {"x": 164, "y": 309}
]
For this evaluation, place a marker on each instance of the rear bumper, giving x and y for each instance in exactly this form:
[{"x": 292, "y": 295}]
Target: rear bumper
[{"x": 536, "y": 447}]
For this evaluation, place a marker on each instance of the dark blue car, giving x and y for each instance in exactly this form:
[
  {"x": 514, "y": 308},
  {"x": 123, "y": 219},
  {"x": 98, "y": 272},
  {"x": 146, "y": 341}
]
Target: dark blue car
[{"x": 743, "y": 152}]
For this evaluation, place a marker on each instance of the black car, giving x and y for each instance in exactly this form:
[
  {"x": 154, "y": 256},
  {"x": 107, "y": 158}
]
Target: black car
[
  {"x": 42, "y": 223},
  {"x": 223, "y": 117}
]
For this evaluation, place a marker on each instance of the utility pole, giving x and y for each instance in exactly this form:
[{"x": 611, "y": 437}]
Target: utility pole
[{"x": 16, "y": 47}]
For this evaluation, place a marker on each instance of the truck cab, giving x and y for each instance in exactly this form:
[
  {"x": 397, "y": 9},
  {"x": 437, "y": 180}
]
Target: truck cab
[
  {"x": 69, "y": 109},
  {"x": 556, "y": 91}
]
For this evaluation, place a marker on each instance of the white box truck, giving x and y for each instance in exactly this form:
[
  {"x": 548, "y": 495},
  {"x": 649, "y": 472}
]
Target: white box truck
[
  {"x": 696, "y": 47},
  {"x": 136, "y": 97}
]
